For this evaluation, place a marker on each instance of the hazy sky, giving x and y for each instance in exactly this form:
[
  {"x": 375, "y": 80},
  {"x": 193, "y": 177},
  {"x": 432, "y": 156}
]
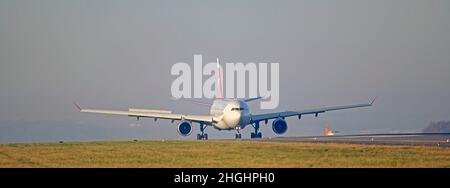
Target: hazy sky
[{"x": 118, "y": 54}]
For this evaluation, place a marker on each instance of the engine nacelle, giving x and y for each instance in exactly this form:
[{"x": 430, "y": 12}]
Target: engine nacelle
[
  {"x": 279, "y": 126},
  {"x": 184, "y": 128}
]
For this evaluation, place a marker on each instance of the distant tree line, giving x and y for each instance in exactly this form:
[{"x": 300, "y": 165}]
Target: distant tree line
[{"x": 438, "y": 127}]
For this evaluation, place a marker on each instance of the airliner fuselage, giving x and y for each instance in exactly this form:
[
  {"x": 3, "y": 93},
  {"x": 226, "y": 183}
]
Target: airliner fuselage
[{"x": 231, "y": 114}]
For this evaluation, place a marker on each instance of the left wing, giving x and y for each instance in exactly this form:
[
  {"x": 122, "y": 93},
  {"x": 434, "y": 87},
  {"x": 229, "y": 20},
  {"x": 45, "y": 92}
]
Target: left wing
[
  {"x": 316, "y": 111},
  {"x": 149, "y": 113}
]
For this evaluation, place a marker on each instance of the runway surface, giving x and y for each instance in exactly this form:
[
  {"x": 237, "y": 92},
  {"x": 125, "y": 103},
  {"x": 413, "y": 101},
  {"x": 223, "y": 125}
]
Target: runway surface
[{"x": 441, "y": 140}]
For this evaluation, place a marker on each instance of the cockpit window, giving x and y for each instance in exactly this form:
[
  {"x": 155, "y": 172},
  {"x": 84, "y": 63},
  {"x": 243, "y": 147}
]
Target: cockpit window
[{"x": 237, "y": 109}]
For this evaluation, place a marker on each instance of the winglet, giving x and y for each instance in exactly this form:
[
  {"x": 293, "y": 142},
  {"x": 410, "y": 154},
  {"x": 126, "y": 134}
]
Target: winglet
[
  {"x": 77, "y": 105},
  {"x": 373, "y": 100}
]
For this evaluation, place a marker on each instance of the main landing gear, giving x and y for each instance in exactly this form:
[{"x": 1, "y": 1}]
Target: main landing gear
[
  {"x": 256, "y": 134},
  {"x": 202, "y": 135}
]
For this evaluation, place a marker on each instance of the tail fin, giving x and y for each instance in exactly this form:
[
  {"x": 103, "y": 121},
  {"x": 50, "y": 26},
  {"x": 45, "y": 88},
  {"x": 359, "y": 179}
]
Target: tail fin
[
  {"x": 327, "y": 131},
  {"x": 219, "y": 82}
]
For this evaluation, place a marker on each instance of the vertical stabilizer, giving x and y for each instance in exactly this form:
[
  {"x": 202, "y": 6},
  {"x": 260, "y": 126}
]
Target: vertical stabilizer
[{"x": 219, "y": 82}]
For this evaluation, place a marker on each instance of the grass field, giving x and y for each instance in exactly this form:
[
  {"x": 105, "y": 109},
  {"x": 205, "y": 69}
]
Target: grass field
[{"x": 218, "y": 154}]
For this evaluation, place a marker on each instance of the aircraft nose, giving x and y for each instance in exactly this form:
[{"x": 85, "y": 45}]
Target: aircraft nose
[
  {"x": 237, "y": 116},
  {"x": 232, "y": 118}
]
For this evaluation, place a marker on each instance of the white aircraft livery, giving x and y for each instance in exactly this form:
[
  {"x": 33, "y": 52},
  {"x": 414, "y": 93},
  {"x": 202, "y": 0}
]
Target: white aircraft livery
[{"x": 225, "y": 114}]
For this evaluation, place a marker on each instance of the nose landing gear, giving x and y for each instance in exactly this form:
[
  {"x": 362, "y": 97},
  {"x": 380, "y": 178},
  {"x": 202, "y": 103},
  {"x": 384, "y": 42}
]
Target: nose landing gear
[
  {"x": 238, "y": 135},
  {"x": 256, "y": 134},
  {"x": 203, "y": 135}
]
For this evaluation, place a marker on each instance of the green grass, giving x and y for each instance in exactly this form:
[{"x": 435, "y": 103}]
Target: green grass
[{"x": 219, "y": 154}]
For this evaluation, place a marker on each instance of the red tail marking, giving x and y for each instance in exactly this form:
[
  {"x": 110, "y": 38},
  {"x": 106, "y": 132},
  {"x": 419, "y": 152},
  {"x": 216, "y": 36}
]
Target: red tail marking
[{"x": 219, "y": 82}]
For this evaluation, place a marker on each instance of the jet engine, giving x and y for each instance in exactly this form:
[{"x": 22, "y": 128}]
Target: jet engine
[
  {"x": 184, "y": 128},
  {"x": 279, "y": 126}
]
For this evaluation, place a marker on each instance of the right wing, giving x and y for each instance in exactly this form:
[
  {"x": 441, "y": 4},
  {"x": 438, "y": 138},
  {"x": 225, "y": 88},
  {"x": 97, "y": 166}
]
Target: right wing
[
  {"x": 315, "y": 111},
  {"x": 149, "y": 113}
]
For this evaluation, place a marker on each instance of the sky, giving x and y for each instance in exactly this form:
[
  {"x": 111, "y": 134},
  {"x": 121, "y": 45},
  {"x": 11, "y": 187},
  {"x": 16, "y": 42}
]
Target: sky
[{"x": 118, "y": 54}]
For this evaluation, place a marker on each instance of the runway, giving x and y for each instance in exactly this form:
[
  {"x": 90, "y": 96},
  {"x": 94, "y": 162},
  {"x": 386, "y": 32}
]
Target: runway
[{"x": 432, "y": 139}]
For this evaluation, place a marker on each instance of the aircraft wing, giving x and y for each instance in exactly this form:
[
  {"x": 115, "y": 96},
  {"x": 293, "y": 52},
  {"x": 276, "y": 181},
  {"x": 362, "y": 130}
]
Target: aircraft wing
[
  {"x": 315, "y": 111},
  {"x": 157, "y": 114}
]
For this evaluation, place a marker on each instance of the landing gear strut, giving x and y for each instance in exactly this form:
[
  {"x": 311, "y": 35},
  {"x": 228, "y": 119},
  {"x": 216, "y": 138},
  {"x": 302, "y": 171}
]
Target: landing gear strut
[
  {"x": 203, "y": 135},
  {"x": 238, "y": 135},
  {"x": 256, "y": 134}
]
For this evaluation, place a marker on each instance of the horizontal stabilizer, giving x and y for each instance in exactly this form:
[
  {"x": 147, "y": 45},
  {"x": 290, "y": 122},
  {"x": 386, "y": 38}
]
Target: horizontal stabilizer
[{"x": 252, "y": 99}]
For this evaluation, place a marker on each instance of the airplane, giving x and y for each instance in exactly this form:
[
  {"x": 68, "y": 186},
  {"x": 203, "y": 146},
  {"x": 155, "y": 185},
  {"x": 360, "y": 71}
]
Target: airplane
[
  {"x": 225, "y": 114},
  {"x": 329, "y": 132}
]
